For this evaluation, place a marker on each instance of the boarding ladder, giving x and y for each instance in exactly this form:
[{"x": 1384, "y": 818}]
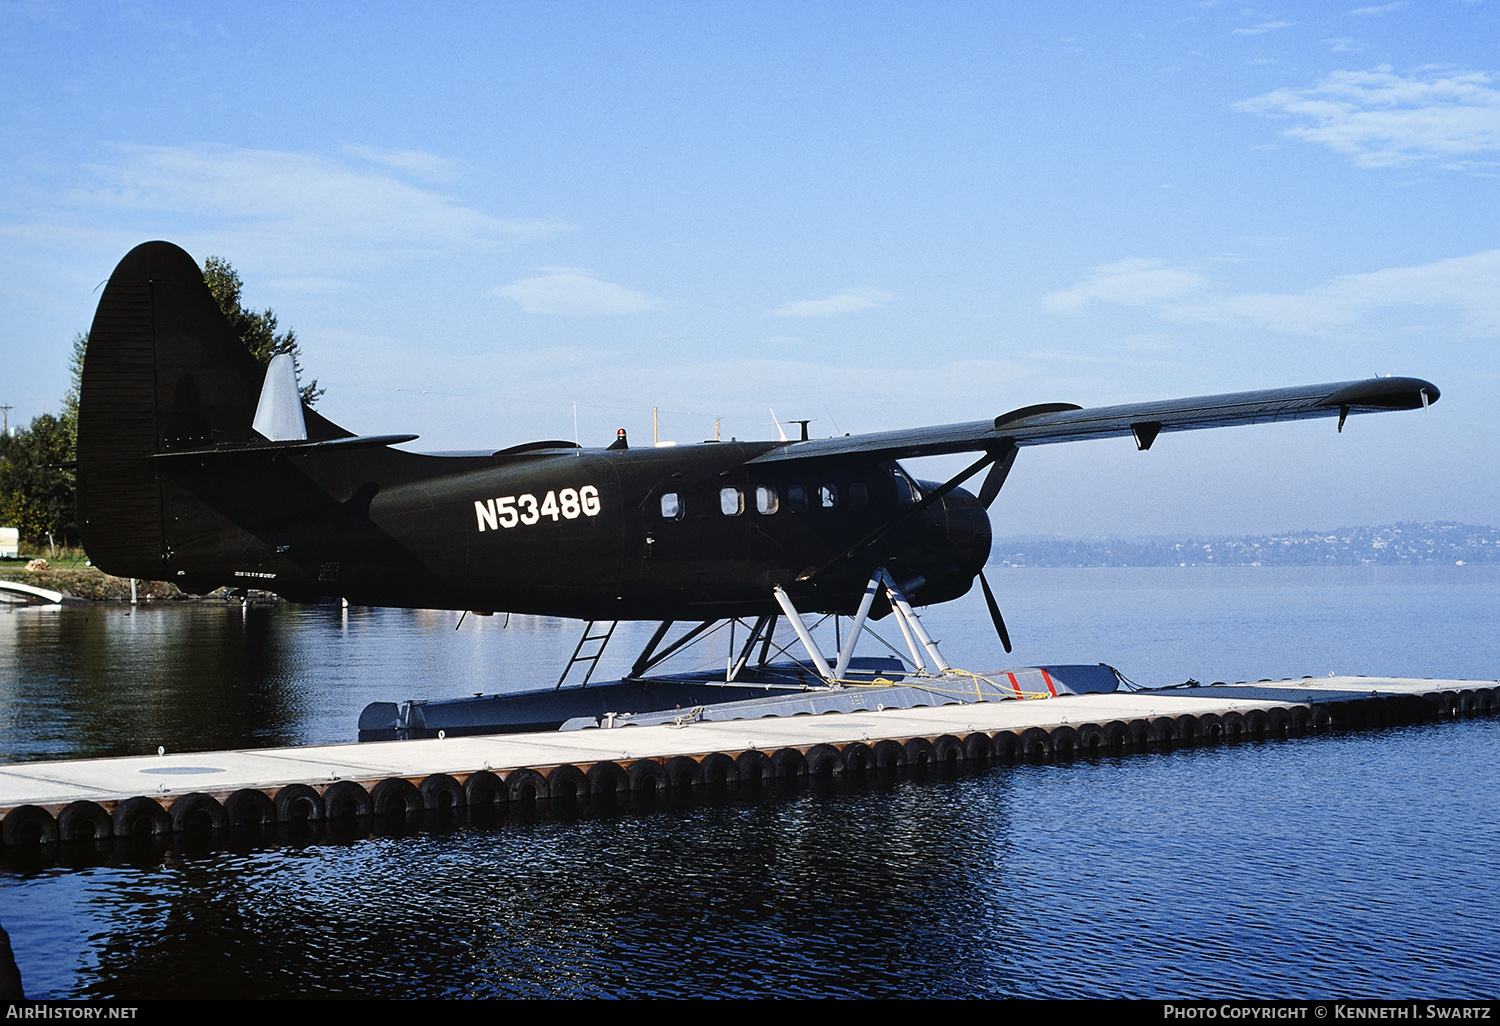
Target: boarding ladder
[{"x": 590, "y": 647}]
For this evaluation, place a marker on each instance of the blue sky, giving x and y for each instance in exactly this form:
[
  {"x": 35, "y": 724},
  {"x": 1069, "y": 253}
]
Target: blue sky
[{"x": 481, "y": 217}]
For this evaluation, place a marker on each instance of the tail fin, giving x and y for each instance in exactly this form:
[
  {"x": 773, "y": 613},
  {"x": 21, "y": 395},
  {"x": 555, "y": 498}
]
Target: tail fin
[{"x": 163, "y": 373}]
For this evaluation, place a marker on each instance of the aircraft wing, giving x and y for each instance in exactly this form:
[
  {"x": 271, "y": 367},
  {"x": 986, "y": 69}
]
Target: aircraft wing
[{"x": 1060, "y": 422}]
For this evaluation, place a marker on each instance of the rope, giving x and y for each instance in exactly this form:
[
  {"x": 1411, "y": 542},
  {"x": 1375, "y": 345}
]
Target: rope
[{"x": 882, "y": 682}]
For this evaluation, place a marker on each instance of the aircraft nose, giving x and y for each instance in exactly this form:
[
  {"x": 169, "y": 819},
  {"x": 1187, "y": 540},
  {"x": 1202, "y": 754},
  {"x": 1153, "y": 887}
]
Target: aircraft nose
[{"x": 968, "y": 529}]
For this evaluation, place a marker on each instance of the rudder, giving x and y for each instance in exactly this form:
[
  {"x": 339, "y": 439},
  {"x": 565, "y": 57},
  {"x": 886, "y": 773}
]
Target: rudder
[{"x": 163, "y": 373}]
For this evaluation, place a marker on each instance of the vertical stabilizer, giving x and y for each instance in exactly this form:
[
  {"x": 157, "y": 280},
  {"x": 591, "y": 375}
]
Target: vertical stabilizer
[{"x": 163, "y": 373}]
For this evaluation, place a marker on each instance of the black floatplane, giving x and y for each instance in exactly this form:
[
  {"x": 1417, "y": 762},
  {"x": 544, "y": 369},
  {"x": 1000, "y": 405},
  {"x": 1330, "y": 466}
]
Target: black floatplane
[{"x": 198, "y": 465}]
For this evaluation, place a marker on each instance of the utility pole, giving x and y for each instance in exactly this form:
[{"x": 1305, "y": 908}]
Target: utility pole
[{"x": 5, "y": 409}]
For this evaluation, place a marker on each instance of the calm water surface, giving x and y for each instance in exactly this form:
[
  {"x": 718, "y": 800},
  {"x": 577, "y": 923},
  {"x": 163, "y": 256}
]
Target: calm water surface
[{"x": 1356, "y": 865}]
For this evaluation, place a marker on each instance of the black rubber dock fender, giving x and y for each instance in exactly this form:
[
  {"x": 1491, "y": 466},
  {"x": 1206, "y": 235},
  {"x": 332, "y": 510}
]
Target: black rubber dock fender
[
  {"x": 825, "y": 763},
  {"x": 250, "y": 807},
  {"x": 84, "y": 820},
  {"x": 525, "y": 788},
  {"x": 647, "y": 776},
  {"x": 1116, "y": 737},
  {"x": 1064, "y": 740},
  {"x": 568, "y": 785},
  {"x": 484, "y": 791},
  {"x": 1033, "y": 745},
  {"x": 755, "y": 768},
  {"x": 198, "y": 811},
  {"x": 141, "y": 817},
  {"x": 608, "y": 781},
  {"x": 790, "y": 766},
  {"x": 979, "y": 750},
  {"x": 890, "y": 756},
  {"x": 948, "y": 752},
  {"x": 1007, "y": 747},
  {"x": 719, "y": 770},
  {"x": 396, "y": 796},
  {"x": 920, "y": 756},
  {"x": 684, "y": 772},
  {"x": 299, "y": 803},
  {"x": 442, "y": 793},
  {"x": 345, "y": 799},
  {"x": 1091, "y": 739},
  {"x": 29, "y": 824}
]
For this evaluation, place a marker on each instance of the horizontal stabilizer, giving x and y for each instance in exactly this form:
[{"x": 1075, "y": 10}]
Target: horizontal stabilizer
[{"x": 299, "y": 446}]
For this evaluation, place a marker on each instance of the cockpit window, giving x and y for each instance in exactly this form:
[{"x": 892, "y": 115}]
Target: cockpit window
[{"x": 907, "y": 492}]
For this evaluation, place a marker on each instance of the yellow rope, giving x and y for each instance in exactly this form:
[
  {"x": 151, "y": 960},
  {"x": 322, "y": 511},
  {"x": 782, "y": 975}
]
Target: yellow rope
[{"x": 882, "y": 682}]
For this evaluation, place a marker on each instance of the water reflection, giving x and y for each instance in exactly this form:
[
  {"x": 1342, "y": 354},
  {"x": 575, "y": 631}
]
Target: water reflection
[
  {"x": 1354, "y": 865},
  {"x": 1256, "y": 869}
]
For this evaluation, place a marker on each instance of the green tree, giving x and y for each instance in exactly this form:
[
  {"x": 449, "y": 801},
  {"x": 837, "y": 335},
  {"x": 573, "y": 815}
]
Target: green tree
[
  {"x": 256, "y": 330},
  {"x": 75, "y": 371},
  {"x": 37, "y": 481}
]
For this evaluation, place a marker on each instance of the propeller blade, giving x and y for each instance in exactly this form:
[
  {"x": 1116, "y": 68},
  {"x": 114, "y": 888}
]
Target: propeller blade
[
  {"x": 996, "y": 477},
  {"x": 989, "y": 598}
]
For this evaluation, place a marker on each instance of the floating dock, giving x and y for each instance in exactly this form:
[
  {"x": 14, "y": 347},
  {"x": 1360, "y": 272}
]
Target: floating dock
[{"x": 154, "y": 797}]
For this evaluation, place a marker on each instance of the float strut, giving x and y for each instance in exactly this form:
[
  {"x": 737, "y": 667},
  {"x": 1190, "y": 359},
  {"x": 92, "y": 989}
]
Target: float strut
[
  {"x": 820, "y": 664},
  {"x": 857, "y": 626},
  {"x": 908, "y": 619},
  {"x": 745, "y": 653}
]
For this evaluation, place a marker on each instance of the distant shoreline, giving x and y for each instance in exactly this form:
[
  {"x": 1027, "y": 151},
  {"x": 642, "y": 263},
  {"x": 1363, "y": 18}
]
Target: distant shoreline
[{"x": 1405, "y": 544}]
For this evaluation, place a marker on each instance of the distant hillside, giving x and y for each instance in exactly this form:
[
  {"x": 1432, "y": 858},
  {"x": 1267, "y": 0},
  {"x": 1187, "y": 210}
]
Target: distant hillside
[{"x": 1391, "y": 545}]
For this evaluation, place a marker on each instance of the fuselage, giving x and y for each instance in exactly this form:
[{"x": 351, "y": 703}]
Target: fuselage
[{"x": 686, "y": 532}]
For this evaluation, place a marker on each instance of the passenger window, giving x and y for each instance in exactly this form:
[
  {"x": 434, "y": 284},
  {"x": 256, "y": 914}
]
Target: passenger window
[
  {"x": 731, "y": 502},
  {"x": 828, "y": 496},
  {"x": 766, "y": 500},
  {"x": 796, "y": 498},
  {"x": 859, "y": 496},
  {"x": 671, "y": 506}
]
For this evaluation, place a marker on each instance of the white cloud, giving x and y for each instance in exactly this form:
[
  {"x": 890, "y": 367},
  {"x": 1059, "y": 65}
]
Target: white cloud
[
  {"x": 300, "y": 213},
  {"x": 571, "y": 291},
  {"x": 1469, "y": 285},
  {"x": 1381, "y": 118},
  {"x": 1265, "y": 26},
  {"x": 1137, "y": 282},
  {"x": 1382, "y": 9},
  {"x": 848, "y": 301},
  {"x": 412, "y": 162}
]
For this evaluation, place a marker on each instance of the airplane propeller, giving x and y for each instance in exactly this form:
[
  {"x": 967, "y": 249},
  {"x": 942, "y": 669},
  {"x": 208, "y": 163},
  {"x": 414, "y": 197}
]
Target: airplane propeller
[
  {"x": 999, "y": 621},
  {"x": 987, "y": 492}
]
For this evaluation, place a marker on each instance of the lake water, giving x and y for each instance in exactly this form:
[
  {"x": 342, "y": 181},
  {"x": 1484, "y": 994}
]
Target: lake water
[{"x": 1347, "y": 865}]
